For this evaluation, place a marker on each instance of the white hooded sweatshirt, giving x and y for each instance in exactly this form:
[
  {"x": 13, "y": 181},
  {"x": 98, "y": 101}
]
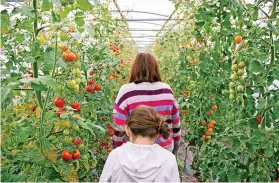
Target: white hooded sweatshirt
[{"x": 140, "y": 163}]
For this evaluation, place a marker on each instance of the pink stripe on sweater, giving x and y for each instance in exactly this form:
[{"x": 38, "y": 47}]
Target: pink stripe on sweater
[
  {"x": 176, "y": 138},
  {"x": 150, "y": 103},
  {"x": 177, "y": 120},
  {"x": 166, "y": 143},
  {"x": 174, "y": 110},
  {"x": 163, "y": 113},
  {"x": 118, "y": 121},
  {"x": 116, "y": 107}
]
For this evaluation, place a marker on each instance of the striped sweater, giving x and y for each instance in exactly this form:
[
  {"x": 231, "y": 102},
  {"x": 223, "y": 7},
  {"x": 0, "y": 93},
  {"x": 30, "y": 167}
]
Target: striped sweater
[{"x": 156, "y": 95}]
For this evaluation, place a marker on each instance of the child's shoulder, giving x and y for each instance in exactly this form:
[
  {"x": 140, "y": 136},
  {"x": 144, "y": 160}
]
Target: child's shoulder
[{"x": 165, "y": 153}]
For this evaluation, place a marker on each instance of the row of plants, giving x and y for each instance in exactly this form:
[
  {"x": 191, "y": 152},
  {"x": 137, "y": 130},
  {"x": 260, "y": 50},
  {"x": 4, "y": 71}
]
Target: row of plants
[
  {"x": 63, "y": 62},
  {"x": 222, "y": 63}
]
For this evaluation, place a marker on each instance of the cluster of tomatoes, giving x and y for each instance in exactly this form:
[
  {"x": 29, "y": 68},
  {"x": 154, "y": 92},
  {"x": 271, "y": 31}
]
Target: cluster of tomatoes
[
  {"x": 209, "y": 127},
  {"x": 185, "y": 93},
  {"x": 238, "y": 80},
  {"x": 90, "y": 88},
  {"x": 67, "y": 54},
  {"x": 113, "y": 75},
  {"x": 60, "y": 103},
  {"x": 110, "y": 130},
  {"x": 67, "y": 155},
  {"x": 114, "y": 46},
  {"x": 192, "y": 61},
  {"x": 28, "y": 74},
  {"x": 103, "y": 145}
]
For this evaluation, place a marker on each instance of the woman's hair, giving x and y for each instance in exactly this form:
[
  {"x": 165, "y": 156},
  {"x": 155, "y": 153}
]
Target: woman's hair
[
  {"x": 145, "y": 69},
  {"x": 145, "y": 121}
]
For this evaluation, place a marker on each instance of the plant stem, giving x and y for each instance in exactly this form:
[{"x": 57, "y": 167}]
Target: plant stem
[
  {"x": 48, "y": 91},
  {"x": 35, "y": 64}
]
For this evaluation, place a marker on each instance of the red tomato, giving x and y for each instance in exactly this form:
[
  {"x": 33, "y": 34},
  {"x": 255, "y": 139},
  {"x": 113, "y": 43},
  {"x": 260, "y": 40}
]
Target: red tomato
[
  {"x": 75, "y": 106},
  {"x": 214, "y": 107},
  {"x": 69, "y": 56},
  {"x": 66, "y": 155},
  {"x": 76, "y": 154},
  {"x": 97, "y": 88},
  {"x": 59, "y": 112},
  {"x": 58, "y": 102},
  {"x": 91, "y": 73},
  {"x": 259, "y": 119},
  {"x": 111, "y": 133},
  {"x": 77, "y": 141},
  {"x": 110, "y": 127},
  {"x": 90, "y": 89},
  {"x": 90, "y": 82}
]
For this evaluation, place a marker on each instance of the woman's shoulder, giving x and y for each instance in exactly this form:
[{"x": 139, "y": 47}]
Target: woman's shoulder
[{"x": 165, "y": 85}]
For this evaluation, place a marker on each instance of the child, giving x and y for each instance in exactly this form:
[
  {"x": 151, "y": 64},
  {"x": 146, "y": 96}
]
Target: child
[{"x": 141, "y": 160}]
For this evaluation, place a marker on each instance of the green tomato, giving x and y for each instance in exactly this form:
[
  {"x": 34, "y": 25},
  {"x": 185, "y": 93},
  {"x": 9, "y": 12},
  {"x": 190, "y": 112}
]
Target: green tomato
[
  {"x": 231, "y": 97},
  {"x": 241, "y": 80},
  {"x": 240, "y": 72},
  {"x": 81, "y": 146},
  {"x": 234, "y": 77},
  {"x": 240, "y": 88},
  {"x": 66, "y": 132},
  {"x": 232, "y": 84},
  {"x": 76, "y": 128},
  {"x": 76, "y": 72},
  {"x": 241, "y": 64},
  {"x": 71, "y": 83},
  {"x": 78, "y": 80},
  {"x": 77, "y": 64},
  {"x": 76, "y": 88},
  {"x": 68, "y": 140}
]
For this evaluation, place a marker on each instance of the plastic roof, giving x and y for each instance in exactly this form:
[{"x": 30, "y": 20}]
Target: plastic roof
[{"x": 144, "y": 17}]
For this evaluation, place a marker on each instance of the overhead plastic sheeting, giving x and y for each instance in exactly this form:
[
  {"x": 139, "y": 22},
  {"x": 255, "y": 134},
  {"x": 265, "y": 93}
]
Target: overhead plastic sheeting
[{"x": 145, "y": 18}]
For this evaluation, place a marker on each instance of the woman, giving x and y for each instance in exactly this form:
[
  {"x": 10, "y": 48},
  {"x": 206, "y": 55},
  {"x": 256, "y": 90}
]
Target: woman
[
  {"x": 145, "y": 88},
  {"x": 141, "y": 160}
]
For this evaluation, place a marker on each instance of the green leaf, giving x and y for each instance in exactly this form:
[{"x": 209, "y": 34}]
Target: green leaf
[
  {"x": 86, "y": 126},
  {"x": 64, "y": 13},
  {"x": 48, "y": 81},
  {"x": 47, "y": 5},
  {"x": 256, "y": 67},
  {"x": 55, "y": 17},
  {"x": 253, "y": 123},
  {"x": 64, "y": 115},
  {"x": 269, "y": 149},
  {"x": 100, "y": 128},
  {"x": 79, "y": 21},
  {"x": 84, "y": 5},
  {"x": 27, "y": 11},
  {"x": 5, "y": 21},
  {"x": 30, "y": 59},
  {"x": 38, "y": 87},
  {"x": 6, "y": 97},
  {"x": 273, "y": 28},
  {"x": 275, "y": 138},
  {"x": 20, "y": 38},
  {"x": 49, "y": 114},
  {"x": 24, "y": 134},
  {"x": 251, "y": 149},
  {"x": 233, "y": 174}
]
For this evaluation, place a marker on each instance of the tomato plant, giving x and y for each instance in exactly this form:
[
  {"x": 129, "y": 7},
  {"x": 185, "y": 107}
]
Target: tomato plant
[
  {"x": 236, "y": 45},
  {"x": 51, "y": 51}
]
